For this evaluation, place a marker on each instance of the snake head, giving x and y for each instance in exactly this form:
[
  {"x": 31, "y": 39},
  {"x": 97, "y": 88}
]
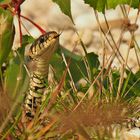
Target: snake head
[{"x": 44, "y": 46}]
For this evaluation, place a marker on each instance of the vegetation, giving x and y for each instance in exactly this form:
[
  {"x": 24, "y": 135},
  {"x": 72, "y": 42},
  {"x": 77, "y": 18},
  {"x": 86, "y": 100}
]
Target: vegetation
[{"x": 86, "y": 99}]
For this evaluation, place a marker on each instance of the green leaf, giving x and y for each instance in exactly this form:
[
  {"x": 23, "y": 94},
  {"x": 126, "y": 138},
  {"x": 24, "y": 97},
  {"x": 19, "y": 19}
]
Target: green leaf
[
  {"x": 134, "y": 83},
  {"x": 55, "y": 61},
  {"x": 71, "y": 54},
  {"x": 101, "y": 5},
  {"x": 16, "y": 79},
  {"x": 115, "y": 79},
  {"x": 65, "y": 6},
  {"x": 78, "y": 70},
  {"x": 114, "y": 3},
  {"x": 97, "y": 4},
  {"x": 92, "y": 3},
  {"x": 7, "y": 33},
  {"x": 76, "y": 67},
  {"x": 93, "y": 63},
  {"x": 27, "y": 40},
  {"x": 125, "y": 85}
]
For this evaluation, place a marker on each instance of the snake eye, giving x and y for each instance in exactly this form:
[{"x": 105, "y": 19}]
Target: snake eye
[{"x": 41, "y": 39}]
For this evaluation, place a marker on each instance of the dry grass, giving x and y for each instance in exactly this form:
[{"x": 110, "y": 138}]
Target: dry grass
[
  {"x": 5, "y": 104},
  {"x": 100, "y": 117}
]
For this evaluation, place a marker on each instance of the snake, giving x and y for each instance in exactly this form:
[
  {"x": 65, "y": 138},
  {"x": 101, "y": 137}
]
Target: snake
[{"x": 40, "y": 53}]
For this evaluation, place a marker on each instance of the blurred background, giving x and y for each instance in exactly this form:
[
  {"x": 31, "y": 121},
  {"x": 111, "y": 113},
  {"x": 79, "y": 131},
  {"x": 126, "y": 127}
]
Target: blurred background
[{"x": 48, "y": 15}]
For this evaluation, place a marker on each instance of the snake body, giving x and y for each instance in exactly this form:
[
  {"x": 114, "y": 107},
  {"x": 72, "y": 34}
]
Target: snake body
[{"x": 40, "y": 53}]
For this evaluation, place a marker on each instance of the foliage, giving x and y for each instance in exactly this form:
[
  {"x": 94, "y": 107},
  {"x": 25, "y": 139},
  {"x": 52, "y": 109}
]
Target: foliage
[
  {"x": 99, "y": 5},
  {"x": 65, "y": 6},
  {"x": 7, "y": 34}
]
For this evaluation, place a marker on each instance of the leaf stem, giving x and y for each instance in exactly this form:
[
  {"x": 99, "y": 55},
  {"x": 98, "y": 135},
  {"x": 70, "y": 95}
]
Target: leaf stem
[{"x": 37, "y": 26}]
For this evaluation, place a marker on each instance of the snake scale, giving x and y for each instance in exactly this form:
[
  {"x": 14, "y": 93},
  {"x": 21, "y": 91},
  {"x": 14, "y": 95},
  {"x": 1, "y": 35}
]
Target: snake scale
[{"x": 40, "y": 53}]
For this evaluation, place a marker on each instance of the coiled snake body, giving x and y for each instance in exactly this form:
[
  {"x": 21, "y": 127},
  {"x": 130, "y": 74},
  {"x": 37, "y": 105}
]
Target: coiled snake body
[{"x": 40, "y": 53}]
